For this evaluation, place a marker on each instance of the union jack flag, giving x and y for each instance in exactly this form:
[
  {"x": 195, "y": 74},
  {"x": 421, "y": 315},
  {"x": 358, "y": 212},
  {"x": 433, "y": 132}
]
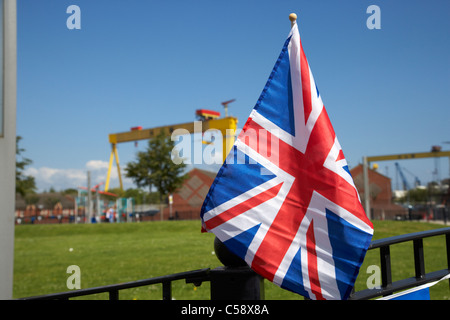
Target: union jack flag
[{"x": 284, "y": 199}]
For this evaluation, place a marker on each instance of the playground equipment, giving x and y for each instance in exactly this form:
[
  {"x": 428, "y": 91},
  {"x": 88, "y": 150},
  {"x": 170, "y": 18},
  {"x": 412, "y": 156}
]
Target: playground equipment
[
  {"x": 87, "y": 203},
  {"x": 209, "y": 121},
  {"x": 123, "y": 207}
]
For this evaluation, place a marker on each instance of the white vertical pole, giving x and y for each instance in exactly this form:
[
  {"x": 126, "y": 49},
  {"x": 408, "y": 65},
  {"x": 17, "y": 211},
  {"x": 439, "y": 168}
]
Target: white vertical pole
[
  {"x": 129, "y": 208},
  {"x": 170, "y": 205},
  {"x": 8, "y": 42},
  {"x": 99, "y": 209},
  {"x": 75, "y": 206},
  {"x": 118, "y": 207},
  {"x": 89, "y": 198}
]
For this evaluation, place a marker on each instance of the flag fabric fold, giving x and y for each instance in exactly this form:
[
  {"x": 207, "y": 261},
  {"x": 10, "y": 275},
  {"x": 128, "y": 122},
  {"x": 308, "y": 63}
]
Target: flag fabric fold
[{"x": 284, "y": 199}]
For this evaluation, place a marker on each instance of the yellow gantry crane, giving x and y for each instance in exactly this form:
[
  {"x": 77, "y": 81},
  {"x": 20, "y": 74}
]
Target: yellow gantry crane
[
  {"x": 435, "y": 153},
  {"x": 207, "y": 120}
]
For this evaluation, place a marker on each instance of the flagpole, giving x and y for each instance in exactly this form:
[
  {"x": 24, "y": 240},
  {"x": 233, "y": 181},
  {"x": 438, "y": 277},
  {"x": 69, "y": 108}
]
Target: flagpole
[{"x": 293, "y": 18}]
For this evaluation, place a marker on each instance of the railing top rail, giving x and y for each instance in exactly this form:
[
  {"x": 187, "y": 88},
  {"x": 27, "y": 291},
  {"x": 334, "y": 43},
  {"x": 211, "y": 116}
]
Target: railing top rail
[
  {"x": 408, "y": 237},
  {"x": 121, "y": 286}
]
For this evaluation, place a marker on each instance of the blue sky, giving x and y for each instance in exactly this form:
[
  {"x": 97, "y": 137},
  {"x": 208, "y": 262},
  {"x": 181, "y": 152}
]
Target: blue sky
[{"x": 153, "y": 63}]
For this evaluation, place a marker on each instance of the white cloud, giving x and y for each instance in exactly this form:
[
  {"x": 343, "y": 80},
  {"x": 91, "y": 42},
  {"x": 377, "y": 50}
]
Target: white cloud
[
  {"x": 61, "y": 179},
  {"x": 97, "y": 165}
]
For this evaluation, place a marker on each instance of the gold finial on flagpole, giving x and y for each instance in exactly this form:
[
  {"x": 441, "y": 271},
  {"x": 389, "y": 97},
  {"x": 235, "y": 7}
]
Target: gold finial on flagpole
[{"x": 293, "y": 18}]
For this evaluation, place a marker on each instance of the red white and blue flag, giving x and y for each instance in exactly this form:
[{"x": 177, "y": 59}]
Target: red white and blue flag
[{"x": 284, "y": 199}]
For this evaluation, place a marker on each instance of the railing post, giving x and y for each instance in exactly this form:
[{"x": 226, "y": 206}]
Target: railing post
[
  {"x": 385, "y": 260},
  {"x": 167, "y": 290},
  {"x": 419, "y": 259},
  {"x": 235, "y": 280},
  {"x": 114, "y": 295}
]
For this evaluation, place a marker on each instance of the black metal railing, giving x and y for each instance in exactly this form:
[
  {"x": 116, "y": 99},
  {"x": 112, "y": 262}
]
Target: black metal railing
[
  {"x": 113, "y": 289},
  {"x": 421, "y": 277},
  {"x": 198, "y": 276}
]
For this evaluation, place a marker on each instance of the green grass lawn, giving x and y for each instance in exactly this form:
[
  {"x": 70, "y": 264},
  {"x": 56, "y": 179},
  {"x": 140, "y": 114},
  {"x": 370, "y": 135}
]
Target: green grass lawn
[{"x": 115, "y": 253}]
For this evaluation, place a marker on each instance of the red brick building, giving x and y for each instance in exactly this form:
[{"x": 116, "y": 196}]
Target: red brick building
[
  {"x": 188, "y": 200},
  {"x": 380, "y": 194},
  {"x": 52, "y": 207}
]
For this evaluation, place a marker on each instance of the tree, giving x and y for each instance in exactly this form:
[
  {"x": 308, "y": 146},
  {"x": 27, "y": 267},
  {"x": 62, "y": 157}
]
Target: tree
[
  {"x": 24, "y": 184},
  {"x": 140, "y": 196},
  {"x": 154, "y": 167},
  {"x": 70, "y": 192}
]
